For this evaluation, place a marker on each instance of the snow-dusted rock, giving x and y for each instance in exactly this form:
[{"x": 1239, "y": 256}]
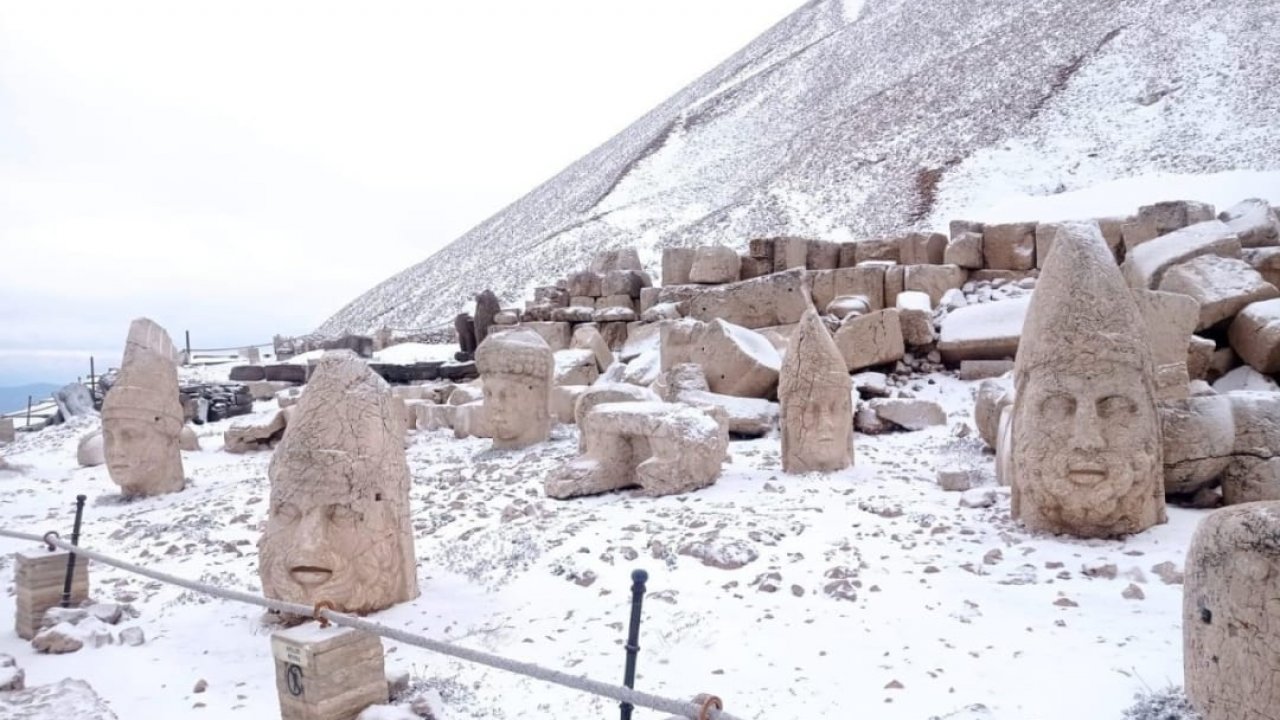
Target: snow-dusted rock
[
  {"x": 910, "y": 414},
  {"x": 987, "y": 331},
  {"x": 1145, "y": 265},
  {"x": 564, "y": 399},
  {"x": 869, "y": 340},
  {"x": 57, "y": 640},
  {"x": 992, "y": 398},
  {"x": 187, "y": 439},
  {"x": 66, "y": 699},
  {"x": 1245, "y": 378},
  {"x": 576, "y": 367},
  {"x": 1199, "y": 435},
  {"x": 677, "y": 263},
  {"x": 11, "y": 676},
  {"x": 1221, "y": 286},
  {"x": 984, "y": 369},
  {"x": 845, "y": 305},
  {"x": 245, "y": 437},
  {"x": 587, "y": 337},
  {"x": 1170, "y": 215},
  {"x": 715, "y": 264},
  {"x": 1009, "y": 246},
  {"x": 922, "y": 248},
  {"x": 1255, "y": 335},
  {"x": 687, "y": 383},
  {"x": 777, "y": 299},
  {"x": 1254, "y": 221},
  {"x": 1168, "y": 320},
  {"x": 737, "y": 361},
  {"x": 89, "y": 451},
  {"x": 866, "y": 281},
  {"x": 915, "y": 313},
  {"x": 602, "y": 393},
  {"x": 933, "y": 280},
  {"x": 965, "y": 250}
]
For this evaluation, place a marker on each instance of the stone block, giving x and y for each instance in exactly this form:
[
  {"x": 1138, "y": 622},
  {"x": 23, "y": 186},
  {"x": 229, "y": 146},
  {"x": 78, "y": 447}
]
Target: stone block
[
  {"x": 864, "y": 280},
  {"x": 895, "y": 281},
  {"x": 576, "y": 367},
  {"x": 1220, "y": 286},
  {"x": 777, "y": 299},
  {"x": 1166, "y": 217},
  {"x": 909, "y": 414},
  {"x": 869, "y": 340},
  {"x": 555, "y": 333},
  {"x": 1169, "y": 319},
  {"x": 988, "y": 331},
  {"x": 920, "y": 248},
  {"x": 648, "y": 298},
  {"x": 332, "y": 673},
  {"x": 38, "y": 577},
  {"x": 955, "y": 228},
  {"x": 1135, "y": 232},
  {"x": 1199, "y": 357},
  {"x": 677, "y": 262},
  {"x": 1255, "y": 336},
  {"x": 1145, "y": 265},
  {"x": 615, "y": 301},
  {"x": 964, "y": 250},
  {"x": 607, "y": 261},
  {"x": 564, "y": 398},
  {"x": 848, "y": 254},
  {"x": 933, "y": 280},
  {"x": 585, "y": 284},
  {"x": 822, "y": 255},
  {"x": 790, "y": 253},
  {"x": 761, "y": 249},
  {"x": 754, "y": 268},
  {"x": 286, "y": 372},
  {"x": 971, "y": 370},
  {"x": 624, "y": 282},
  {"x": 886, "y": 249},
  {"x": 1009, "y": 246},
  {"x": 916, "y": 317},
  {"x": 1255, "y": 222},
  {"x": 715, "y": 264},
  {"x": 1266, "y": 261},
  {"x": 247, "y": 373}
]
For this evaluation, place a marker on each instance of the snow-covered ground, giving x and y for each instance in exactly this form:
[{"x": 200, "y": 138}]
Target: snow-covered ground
[{"x": 865, "y": 593}]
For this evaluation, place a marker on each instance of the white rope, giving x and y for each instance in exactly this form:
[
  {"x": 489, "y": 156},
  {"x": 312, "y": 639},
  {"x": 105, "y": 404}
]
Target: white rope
[{"x": 683, "y": 709}]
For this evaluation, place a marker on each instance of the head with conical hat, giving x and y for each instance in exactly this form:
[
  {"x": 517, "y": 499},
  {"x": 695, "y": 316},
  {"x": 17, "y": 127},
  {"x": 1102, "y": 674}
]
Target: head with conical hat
[
  {"x": 142, "y": 417},
  {"x": 338, "y": 523},
  {"x": 817, "y": 408},
  {"x": 1086, "y": 437},
  {"x": 517, "y": 368}
]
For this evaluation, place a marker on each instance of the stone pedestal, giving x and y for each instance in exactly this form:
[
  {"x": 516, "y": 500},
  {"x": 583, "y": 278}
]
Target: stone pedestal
[
  {"x": 327, "y": 673},
  {"x": 38, "y": 576}
]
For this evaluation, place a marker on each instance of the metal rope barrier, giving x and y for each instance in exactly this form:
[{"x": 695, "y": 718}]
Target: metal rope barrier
[{"x": 705, "y": 710}]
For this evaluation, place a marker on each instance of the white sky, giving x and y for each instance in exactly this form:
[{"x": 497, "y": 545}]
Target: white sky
[{"x": 239, "y": 169}]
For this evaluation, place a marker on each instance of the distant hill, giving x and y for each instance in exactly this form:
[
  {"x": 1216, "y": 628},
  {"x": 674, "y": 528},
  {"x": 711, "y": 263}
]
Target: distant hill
[
  {"x": 853, "y": 119},
  {"x": 15, "y": 398}
]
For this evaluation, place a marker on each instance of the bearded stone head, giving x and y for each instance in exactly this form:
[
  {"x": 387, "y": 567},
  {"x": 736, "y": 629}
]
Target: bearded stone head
[
  {"x": 814, "y": 390},
  {"x": 1086, "y": 445}
]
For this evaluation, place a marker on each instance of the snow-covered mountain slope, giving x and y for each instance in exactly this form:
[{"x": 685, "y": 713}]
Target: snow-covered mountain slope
[{"x": 848, "y": 120}]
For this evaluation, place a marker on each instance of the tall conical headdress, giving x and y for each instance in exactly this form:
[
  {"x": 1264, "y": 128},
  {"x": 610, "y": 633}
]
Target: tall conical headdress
[
  {"x": 812, "y": 358},
  {"x": 1081, "y": 307},
  {"x": 147, "y": 386}
]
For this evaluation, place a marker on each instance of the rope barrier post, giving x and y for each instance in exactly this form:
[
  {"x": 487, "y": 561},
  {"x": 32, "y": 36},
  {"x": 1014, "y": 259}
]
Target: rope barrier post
[
  {"x": 71, "y": 557},
  {"x": 638, "y": 580},
  {"x": 188, "y": 334},
  {"x": 28, "y": 425}
]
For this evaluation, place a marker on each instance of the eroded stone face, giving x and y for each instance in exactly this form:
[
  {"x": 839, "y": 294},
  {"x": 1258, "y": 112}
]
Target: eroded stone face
[
  {"x": 1085, "y": 449},
  {"x": 338, "y": 523},
  {"x": 1231, "y": 614},
  {"x": 141, "y": 415},
  {"x": 1086, "y": 454},
  {"x": 517, "y": 368},
  {"x": 817, "y": 407}
]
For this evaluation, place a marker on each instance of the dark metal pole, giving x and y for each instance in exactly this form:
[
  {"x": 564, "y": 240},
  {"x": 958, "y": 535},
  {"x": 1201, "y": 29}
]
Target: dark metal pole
[
  {"x": 188, "y": 334},
  {"x": 93, "y": 381},
  {"x": 71, "y": 559},
  {"x": 638, "y": 579},
  {"x": 28, "y": 412}
]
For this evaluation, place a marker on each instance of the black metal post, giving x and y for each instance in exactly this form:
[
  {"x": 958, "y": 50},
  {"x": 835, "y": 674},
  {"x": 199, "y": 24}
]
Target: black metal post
[
  {"x": 28, "y": 426},
  {"x": 188, "y": 334},
  {"x": 93, "y": 381},
  {"x": 638, "y": 579},
  {"x": 71, "y": 559}
]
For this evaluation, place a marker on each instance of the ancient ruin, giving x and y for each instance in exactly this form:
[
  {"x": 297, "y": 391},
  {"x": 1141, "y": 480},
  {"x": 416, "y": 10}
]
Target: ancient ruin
[
  {"x": 338, "y": 520},
  {"x": 1086, "y": 453},
  {"x": 517, "y": 368},
  {"x": 817, "y": 409},
  {"x": 1231, "y": 614},
  {"x": 141, "y": 416}
]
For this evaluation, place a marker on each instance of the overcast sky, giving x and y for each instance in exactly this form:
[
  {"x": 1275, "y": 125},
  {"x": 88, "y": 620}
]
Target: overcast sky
[{"x": 239, "y": 169}]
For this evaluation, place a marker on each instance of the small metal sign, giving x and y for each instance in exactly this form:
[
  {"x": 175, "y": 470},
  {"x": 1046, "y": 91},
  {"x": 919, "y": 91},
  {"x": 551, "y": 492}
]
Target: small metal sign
[
  {"x": 293, "y": 679},
  {"x": 288, "y": 653}
]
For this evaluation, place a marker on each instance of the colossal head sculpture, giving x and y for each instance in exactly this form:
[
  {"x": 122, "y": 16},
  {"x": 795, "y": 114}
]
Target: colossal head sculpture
[
  {"x": 142, "y": 417},
  {"x": 817, "y": 408},
  {"x": 517, "y": 367},
  {"x": 1086, "y": 455},
  {"x": 338, "y": 523}
]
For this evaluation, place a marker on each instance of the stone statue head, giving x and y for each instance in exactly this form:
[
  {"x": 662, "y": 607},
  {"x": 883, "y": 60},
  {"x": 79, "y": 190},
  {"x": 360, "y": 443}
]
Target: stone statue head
[
  {"x": 1086, "y": 436},
  {"x": 142, "y": 417},
  {"x": 338, "y": 522},
  {"x": 517, "y": 368},
  {"x": 817, "y": 407}
]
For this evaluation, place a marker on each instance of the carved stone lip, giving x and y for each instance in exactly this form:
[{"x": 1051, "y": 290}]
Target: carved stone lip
[
  {"x": 310, "y": 574},
  {"x": 1086, "y": 473}
]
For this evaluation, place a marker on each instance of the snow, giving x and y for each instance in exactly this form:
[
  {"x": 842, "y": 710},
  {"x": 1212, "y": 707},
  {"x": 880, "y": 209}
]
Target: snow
[
  {"x": 410, "y": 353},
  {"x": 999, "y": 319},
  {"x": 755, "y": 345},
  {"x": 1247, "y": 379},
  {"x": 504, "y": 569}
]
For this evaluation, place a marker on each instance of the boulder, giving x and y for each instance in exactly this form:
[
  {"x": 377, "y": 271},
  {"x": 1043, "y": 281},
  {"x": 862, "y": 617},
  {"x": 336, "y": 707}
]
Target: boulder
[
  {"x": 1145, "y": 265},
  {"x": 244, "y": 437},
  {"x": 73, "y": 400},
  {"x": 677, "y": 263},
  {"x": 1229, "y": 607},
  {"x": 576, "y": 367},
  {"x": 187, "y": 440},
  {"x": 1171, "y": 215},
  {"x": 933, "y": 280},
  {"x": 89, "y": 451},
  {"x": 643, "y": 370},
  {"x": 1254, "y": 221},
  {"x": 777, "y": 299},
  {"x": 737, "y": 361},
  {"x": 869, "y": 384},
  {"x": 661, "y": 448},
  {"x": 909, "y": 414},
  {"x": 1255, "y": 335},
  {"x": 869, "y": 340},
  {"x": 1221, "y": 286},
  {"x": 1198, "y": 435},
  {"x": 916, "y": 316},
  {"x": 993, "y": 397},
  {"x": 866, "y": 281},
  {"x": 587, "y": 337},
  {"x": 987, "y": 331},
  {"x": 1245, "y": 378},
  {"x": 1009, "y": 246},
  {"x": 964, "y": 250},
  {"x": 507, "y": 317},
  {"x": 921, "y": 248}
]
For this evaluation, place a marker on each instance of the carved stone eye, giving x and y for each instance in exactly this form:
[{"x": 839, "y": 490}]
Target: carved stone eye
[
  {"x": 1058, "y": 405},
  {"x": 1116, "y": 406}
]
